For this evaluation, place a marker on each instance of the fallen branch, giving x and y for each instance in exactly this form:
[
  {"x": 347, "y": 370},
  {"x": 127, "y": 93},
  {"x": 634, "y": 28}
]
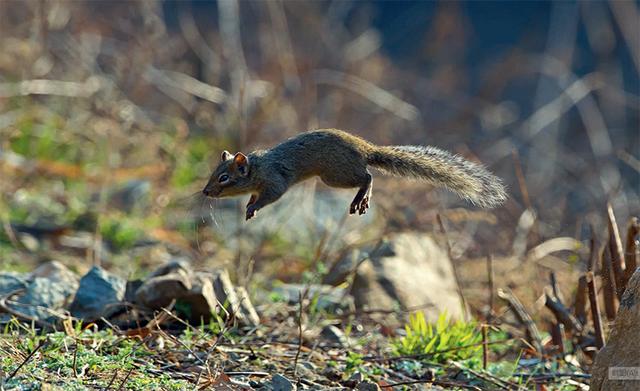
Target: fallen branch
[
  {"x": 562, "y": 314},
  {"x": 523, "y": 317}
]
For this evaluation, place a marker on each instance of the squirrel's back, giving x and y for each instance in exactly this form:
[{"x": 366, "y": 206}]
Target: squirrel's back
[
  {"x": 321, "y": 152},
  {"x": 316, "y": 152}
]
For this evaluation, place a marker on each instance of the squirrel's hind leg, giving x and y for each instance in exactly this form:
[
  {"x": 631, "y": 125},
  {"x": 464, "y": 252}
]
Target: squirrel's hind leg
[
  {"x": 361, "y": 201},
  {"x": 357, "y": 176}
]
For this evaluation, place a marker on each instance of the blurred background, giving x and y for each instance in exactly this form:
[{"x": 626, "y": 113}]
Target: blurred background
[{"x": 113, "y": 114}]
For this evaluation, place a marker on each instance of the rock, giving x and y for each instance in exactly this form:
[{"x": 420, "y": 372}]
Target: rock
[
  {"x": 334, "y": 335},
  {"x": 10, "y": 282},
  {"x": 408, "y": 270},
  {"x": 332, "y": 373},
  {"x": 132, "y": 288},
  {"x": 281, "y": 383},
  {"x": 57, "y": 272},
  {"x": 47, "y": 290},
  {"x": 131, "y": 196},
  {"x": 174, "y": 265},
  {"x": 343, "y": 268},
  {"x": 355, "y": 379},
  {"x": 198, "y": 294},
  {"x": 368, "y": 386},
  {"x": 194, "y": 294},
  {"x": 99, "y": 294},
  {"x": 330, "y": 299},
  {"x": 159, "y": 291},
  {"x": 201, "y": 299},
  {"x": 304, "y": 371},
  {"x": 623, "y": 345},
  {"x": 43, "y": 296}
]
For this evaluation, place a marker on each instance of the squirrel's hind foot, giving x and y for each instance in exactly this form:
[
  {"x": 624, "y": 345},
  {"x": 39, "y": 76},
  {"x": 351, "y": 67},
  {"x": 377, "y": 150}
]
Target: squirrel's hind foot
[{"x": 360, "y": 204}]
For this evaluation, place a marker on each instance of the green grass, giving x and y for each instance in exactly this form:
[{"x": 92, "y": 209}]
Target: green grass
[{"x": 86, "y": 360}]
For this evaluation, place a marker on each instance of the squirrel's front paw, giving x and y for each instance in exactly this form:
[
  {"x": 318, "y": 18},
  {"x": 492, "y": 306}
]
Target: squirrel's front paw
[{"x": 251, "y": 212}]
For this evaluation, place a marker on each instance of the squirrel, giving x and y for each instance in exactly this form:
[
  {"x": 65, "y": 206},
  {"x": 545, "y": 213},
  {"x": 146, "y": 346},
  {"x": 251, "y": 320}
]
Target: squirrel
[{"x": 341, "y": 159}]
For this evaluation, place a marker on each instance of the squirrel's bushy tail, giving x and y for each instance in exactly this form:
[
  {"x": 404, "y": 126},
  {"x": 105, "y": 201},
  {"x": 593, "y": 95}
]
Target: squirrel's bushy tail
[{"x": 467, "y": 179}]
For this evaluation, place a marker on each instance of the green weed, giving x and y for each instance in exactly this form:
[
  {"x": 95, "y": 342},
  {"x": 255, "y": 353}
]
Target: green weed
[{"x": 442, "y": 342}]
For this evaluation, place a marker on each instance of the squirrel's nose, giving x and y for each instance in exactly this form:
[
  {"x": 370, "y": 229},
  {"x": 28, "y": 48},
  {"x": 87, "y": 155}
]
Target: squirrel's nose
[{"x": 206, "y": 191}]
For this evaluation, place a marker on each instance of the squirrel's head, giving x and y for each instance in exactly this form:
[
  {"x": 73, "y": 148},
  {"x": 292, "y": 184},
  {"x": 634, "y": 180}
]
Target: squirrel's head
[{"x": 230, "y": 178}]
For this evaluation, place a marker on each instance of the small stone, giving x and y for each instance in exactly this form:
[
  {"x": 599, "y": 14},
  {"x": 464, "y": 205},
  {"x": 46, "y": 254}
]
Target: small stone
[
  {"x": 330, "y": 299},
  {"x": 355, "y": 379},
  {"x": 342, "y": 269},
  {"x": 281, "y": 383},
  {"x": 43, "y": 296},
  {"x": 131, "y": 196},
  {"x": 57, "y": 272},
  {"x": 334, "y": 335},
  {"x": 132, "y": 288},
  {"x": 201, "y": 299},
  {"x": 10, "y": 282},
  {"x": 304, "y": 371},
  {"x": 158, "y": 292},
  {"x": 332, "y": 373},
  {"x": 173, "y": 266},
  {"x": 367, "y": 386},
  {"x": 98, "y": 292}
]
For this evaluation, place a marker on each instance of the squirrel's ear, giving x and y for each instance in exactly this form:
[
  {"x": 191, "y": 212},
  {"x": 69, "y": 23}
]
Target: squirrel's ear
[
  {"x": 242, "y": 162},
  {"x": 225, "y": 156}
]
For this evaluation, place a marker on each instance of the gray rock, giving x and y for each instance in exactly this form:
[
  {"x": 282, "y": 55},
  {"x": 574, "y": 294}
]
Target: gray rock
[
  {"x": 132, "y": 288},
  {"x": 47, "y": 290},
  {"x": 408, "y": 270},
  {"x": 159, "y": 291},
  {"x": 281, "y": 383},
  {"x": 623, "y": 344},
  {"x": 201, "y": 300},
  {"x": 330, "y": 298},
  {"x": 174, "y": 265},
  {"x": 306, "y": 370},
  {"x": 341, "y": 270},
  {"x": 99, "y": 294},
  {"x": 355, "y": 379},
  {"x": 57, "y": 272},
  {"x": 43, "y": 296},
  {"x": 131, "y": 196},
  {"x": 367, "y": 386},
  {"x": 199, "y": 293},
  {"x": 332, "y": 373},
  {"x": 334, "y": 335},
  {"x": 10, "y": 282}
]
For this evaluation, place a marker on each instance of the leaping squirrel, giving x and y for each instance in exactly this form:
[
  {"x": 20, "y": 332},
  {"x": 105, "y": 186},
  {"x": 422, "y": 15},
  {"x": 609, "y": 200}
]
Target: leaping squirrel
[{"x": 341, "y": 159}]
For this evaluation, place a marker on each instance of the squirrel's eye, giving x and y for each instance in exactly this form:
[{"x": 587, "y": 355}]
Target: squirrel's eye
[{"x": 223, "y": 178}]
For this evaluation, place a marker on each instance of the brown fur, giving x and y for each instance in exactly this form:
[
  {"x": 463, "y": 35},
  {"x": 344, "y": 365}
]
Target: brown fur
[{"x": 341, "y": 159}]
